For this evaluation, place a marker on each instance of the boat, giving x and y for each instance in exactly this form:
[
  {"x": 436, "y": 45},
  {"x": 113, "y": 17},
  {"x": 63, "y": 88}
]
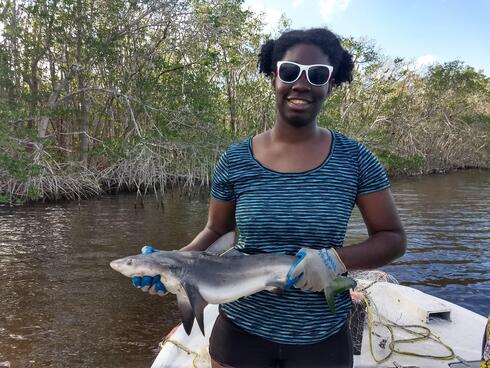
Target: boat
[{"x": 392, "y": 326}]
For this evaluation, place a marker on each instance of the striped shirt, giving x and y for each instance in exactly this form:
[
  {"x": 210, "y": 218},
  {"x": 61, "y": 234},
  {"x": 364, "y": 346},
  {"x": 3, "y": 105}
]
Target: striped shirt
[{"x": 283, "y": 212}]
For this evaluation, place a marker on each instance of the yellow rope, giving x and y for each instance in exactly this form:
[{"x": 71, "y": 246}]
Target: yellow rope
[
  {"x": 420, "y": 336},
  {"x": 184, "y": 348},
  {"x": 227, "y": 251},
  {"x": 485, "y": 361}
]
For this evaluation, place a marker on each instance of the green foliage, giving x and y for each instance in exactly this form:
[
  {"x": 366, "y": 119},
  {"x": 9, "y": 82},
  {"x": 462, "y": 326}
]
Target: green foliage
[
  {"x": 15, "y": 159},
  {"x": 34, "y": 194},
  {"x": 20, "y": 168},
  {"x": 7, "y": 199},
  {"x": 106, "y": 152},
  {"x": 396, "y": 165},
  {"x": 85, "y": 84},
  {"x": 455, "y": 76}
]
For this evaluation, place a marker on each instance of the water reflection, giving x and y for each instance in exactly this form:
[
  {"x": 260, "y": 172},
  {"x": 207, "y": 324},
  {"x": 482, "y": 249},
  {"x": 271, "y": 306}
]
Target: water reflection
[{"x": 63, "y": 306}]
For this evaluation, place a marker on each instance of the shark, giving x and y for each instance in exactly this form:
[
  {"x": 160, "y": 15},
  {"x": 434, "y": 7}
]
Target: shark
[{"x": 219, "y": 275}]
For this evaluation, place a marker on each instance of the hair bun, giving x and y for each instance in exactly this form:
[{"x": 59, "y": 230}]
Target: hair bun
[
  {"x": 265, "y": 58},
  {"x": 346, "y": 66}
]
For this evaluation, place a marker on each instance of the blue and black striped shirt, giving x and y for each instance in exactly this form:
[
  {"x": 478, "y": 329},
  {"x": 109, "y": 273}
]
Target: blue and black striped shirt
[{"x": 283, "y": 212}]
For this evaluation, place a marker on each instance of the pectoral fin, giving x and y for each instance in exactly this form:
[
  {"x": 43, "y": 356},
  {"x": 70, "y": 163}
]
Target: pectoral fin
[
  {"x": 275, "y": 287},
  {"x": 186, "y": 312},
  {"x": 222, "y": 245},
  {"x": 197, "y": 303}
]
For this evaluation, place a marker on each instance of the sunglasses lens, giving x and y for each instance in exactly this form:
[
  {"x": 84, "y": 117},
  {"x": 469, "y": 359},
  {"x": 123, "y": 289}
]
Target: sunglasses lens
[
  {"x": 318, "y": 74},
  {"x": 288, "y": 72}
]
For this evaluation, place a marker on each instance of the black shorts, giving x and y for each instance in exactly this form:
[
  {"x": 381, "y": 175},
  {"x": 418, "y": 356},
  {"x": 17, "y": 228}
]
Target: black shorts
[{"x": 232, "y": 346}]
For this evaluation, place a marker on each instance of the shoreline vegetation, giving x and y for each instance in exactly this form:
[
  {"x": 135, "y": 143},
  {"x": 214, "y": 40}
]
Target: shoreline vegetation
[{"x": 99, "y": 97}]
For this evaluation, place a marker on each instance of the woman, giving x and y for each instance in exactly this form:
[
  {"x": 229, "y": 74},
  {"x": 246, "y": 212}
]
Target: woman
[{"x": 291, "y": 190}]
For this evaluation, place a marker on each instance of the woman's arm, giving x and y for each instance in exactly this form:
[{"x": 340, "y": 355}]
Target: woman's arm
[
  {"x": 386, "y": 240},
  {"x": 221, "y": 219}
]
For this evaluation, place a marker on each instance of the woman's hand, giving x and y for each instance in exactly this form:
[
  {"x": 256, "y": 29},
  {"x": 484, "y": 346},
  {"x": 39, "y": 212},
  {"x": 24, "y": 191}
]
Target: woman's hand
[
  {"x": 316, "y": 269},
  {"x": 151, "y": 284}
]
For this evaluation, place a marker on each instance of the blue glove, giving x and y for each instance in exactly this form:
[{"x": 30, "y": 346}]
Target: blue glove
[{"x": 148, "y": 283}]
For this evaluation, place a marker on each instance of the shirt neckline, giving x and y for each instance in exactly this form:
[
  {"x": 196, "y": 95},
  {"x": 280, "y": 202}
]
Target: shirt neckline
[{"x": 321, "y": 165}]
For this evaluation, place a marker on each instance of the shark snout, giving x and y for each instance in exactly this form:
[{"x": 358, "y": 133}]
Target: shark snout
[
  {"x": 116, "y": 265},
  {"x": 123, "y": 265},
  {"x": 113, "y": 265},
  {"x": 138, "y": 265}
]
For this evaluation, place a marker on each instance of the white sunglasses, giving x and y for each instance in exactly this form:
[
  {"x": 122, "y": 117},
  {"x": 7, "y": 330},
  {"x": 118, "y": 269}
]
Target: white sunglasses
[{"x": 316, "y": 74}]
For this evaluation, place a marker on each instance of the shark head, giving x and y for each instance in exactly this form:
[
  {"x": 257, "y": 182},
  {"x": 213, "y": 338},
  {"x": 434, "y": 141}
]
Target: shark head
[
  {"x": 128, "y": 266},
  {"x": 167, "y": 264},
  {"x": 140, "y": 265}
]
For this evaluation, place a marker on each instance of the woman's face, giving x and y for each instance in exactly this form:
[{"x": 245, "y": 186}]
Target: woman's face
[{"x": 299, "y": 103}]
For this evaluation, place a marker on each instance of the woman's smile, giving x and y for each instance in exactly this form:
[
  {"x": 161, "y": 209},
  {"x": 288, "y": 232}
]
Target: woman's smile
[{"x": 298, "y": 103}]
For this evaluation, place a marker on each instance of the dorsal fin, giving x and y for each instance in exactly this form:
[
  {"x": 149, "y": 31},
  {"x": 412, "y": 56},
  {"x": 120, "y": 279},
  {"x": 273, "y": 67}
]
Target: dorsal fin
[{"x": 223, "y": 243}]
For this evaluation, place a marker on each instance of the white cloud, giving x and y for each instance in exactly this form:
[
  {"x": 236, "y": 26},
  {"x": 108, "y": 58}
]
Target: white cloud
[
  {"x": 330, "y": 7},
  {"x": 421, "y": 64},
  {"x": 424, "y": 61},
  {"x": 269, "y": 16},
  {"x": 297, "y": 3}
]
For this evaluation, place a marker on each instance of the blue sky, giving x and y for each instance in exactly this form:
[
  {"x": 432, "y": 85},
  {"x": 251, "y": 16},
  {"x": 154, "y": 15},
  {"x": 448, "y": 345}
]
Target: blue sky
[{"x": 423, "y": 31}]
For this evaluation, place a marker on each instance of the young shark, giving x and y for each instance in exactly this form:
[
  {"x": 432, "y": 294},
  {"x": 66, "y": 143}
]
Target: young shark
[{"x": 201, "y": 278}]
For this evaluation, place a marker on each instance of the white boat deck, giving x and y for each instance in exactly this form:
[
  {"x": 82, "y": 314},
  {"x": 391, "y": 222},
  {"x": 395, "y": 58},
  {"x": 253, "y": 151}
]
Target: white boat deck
[{"x": 456, "y": 327}]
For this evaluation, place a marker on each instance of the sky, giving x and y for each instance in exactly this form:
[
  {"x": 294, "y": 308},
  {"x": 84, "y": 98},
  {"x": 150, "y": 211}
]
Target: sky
[{"x": 421, "y": 31}]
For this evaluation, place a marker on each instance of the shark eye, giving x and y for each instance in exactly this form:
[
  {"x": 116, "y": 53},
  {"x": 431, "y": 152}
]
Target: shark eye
[{"x": 129, "y": 262}]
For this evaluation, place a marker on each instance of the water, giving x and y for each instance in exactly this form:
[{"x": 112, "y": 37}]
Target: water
[{"x": 62, "y": 306}]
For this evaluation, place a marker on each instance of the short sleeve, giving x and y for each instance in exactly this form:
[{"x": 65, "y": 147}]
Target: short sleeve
[
  {"x": 372, "y": 175},
  {"x": 221, "y": 187}
]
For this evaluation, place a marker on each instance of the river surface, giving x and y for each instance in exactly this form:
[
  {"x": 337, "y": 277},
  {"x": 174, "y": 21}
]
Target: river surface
[{"x": 62, "y": 306}]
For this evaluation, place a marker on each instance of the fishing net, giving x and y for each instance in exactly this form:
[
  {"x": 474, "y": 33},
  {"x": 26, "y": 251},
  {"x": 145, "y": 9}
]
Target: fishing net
[
  {"x": 357, "y": 318},
  {"x": 374, "y": 276},
  {"x": 385, "y": 334}
]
